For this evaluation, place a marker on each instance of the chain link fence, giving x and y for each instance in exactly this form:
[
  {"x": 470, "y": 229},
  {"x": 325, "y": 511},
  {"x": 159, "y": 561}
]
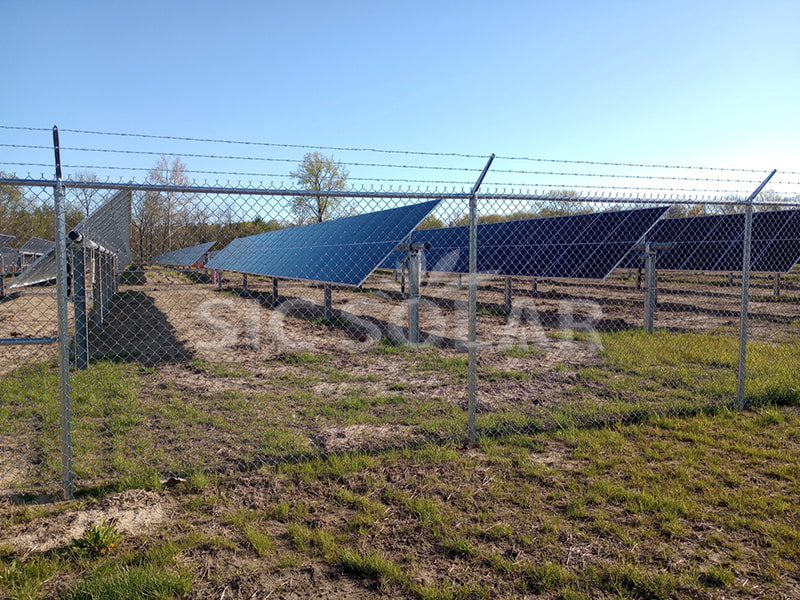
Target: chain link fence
[{"x": 180, "y": 368}]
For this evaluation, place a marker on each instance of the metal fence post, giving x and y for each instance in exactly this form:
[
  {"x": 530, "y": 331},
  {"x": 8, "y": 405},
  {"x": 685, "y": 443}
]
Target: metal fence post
[
  {"x": 63, "y": 327},
  {"x": 472, "y": 341},
  {"x": 80, "y": 307},
  {"x": 328, "y": 303},
  {"x": 650, "y": 294},
  {"x": 413, "y": 296},
  {"x": 748, "y": 233}
]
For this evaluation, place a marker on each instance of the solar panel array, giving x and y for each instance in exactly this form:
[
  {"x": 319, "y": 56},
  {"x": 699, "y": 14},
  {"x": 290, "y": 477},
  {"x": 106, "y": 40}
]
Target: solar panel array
[
  {"x": 184, "y": 257},
  {"x": 37, "y": 245},
  {"x": 109, "y": 226},
  {"x": 716, "y": 243},
  {"x": 585, "y": 246},
  {"x": 10, "y": 258},
  {"x": 341, "y": 251},
  {"x": 5, "y": 240}
]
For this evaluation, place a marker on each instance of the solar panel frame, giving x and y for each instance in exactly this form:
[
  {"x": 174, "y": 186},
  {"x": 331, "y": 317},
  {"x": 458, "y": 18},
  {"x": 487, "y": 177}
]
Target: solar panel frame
[
  {"x": 184, "y": 257},
  {"x": 340, "y": 251}
]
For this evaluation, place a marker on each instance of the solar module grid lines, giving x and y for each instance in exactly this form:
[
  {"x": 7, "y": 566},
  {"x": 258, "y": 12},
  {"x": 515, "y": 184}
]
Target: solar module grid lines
[
  {"x": 37, "y": 245},
  {"x": 341, "y": 251},
  {"x": 109, "y": 226},
  {"x": 584, "y": 246},
  {"x": 185, "y": 257},
  {"x": 716, "y": 242}
]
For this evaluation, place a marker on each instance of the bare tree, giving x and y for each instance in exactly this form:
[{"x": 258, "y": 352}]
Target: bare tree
[
  {"x": 162, "y": 219},
  {"x": 86, "y": 198},
  {"x": 318, "y": 173}
]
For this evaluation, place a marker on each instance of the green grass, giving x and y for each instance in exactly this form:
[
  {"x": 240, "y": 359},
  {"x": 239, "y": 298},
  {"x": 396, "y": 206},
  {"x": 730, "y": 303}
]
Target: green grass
[
  {"x": 673, "y": 507},
  {"x": 128, "y": 431},
  {"x": 634, "y": 479}
]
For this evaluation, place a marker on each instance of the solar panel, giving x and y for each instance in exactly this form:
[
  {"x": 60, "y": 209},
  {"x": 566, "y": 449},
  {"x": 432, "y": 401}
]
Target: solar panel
[
  {"x": 10, "y": 258},
  {"x": 109, "y": 226},
  {"x": 184, "y": 257},
  {"x": 37, "y": 245},
  {"x": 716, "y": 242},
  {"x": 5, "y": 240},
  {"x": 586, "y": 246},
  {"x": 341, "y": 251}
]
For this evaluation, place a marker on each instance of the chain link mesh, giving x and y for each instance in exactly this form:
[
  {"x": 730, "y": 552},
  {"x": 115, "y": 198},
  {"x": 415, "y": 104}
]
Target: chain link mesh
[{"x": 196, "y": 369}]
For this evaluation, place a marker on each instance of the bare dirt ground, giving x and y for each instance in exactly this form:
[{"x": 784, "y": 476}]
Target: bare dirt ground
[
  {"x": 207, "y": 347},
  {"x": 215, "y": 347}
]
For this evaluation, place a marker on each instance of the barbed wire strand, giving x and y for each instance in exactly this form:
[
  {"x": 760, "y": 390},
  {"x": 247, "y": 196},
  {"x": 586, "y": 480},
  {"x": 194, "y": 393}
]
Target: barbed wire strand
[
  {"x": 395, "y": 166},
  {"x": 390, "y": 151}
]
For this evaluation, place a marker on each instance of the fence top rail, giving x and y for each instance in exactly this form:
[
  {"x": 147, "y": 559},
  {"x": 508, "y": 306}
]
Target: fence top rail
[{"x": 422, "y": 194}]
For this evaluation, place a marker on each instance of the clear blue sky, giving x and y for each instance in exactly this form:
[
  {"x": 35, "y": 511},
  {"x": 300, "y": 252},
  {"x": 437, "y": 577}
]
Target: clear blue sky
[{"x": 711, "y": 83}]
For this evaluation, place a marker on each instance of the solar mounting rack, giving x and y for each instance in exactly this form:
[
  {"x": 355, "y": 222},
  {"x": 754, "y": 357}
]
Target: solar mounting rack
[
  {"x": 37, "y": 246},
  {"x": 584, "y": 246},
  {"x": 340, "y": 251},
  {"x": 109, "y": 226},
  {"x": 184, "y": 257},
  {"x": 716, "y": 242},
  {"x": 10, "y": 257}
]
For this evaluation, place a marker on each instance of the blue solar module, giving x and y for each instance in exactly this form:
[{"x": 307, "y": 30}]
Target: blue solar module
[
  {"x": 586, "y": 246},
  {"x": 716, "y": 242},
  {"x": 342, "y": 251},
  {"x": 184, "y": 257}
]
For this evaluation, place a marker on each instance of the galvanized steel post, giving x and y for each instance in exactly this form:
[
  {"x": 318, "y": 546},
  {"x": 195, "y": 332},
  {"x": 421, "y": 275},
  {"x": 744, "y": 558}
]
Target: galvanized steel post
[
  {"x": 748, "y": 234},
  {"x": 63, "y": 327},
  {"x": 79, "y": 306},
  {"x": 328, "y": 303},
  {"x": 472, "y": 340},
  {"x": 650, "y": 293},
  {"x": 413, "y": 296}
]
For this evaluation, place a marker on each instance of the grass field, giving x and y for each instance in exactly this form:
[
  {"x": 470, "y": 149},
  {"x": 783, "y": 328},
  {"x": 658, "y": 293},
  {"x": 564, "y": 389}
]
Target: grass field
[
  {"x": 645, "y": 485},
  {"x": 692, "y": 507},
  {"x": 610, "y": 464}
]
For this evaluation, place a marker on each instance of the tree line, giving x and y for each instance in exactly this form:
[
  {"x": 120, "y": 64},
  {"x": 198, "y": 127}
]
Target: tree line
[{"x": 167, "y": 219}]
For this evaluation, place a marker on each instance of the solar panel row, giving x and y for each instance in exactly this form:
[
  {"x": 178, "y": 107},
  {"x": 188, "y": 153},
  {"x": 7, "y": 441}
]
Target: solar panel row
[
  {"x": 184, "y": 257},
  {"x": 716, "y": 243},
  {"x": 341, "y": 251},
  {"x": 586, "y": 246},
  {"x": 109, "y": 226}
]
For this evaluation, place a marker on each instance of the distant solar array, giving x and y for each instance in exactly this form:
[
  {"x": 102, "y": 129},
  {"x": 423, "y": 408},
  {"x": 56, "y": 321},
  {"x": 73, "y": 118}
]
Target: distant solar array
[
  {"x": 586, "y": 246},
  {"x": 341, "y": 251},
  {"x": 716, "y": 243},
  {"x": 109, "y": 226},
  {"x": 10, "y": 258},
  {"x": 5, "y": 240},
  {"x": 37, "y": 246},
  {"x": 185, "y": 257}
]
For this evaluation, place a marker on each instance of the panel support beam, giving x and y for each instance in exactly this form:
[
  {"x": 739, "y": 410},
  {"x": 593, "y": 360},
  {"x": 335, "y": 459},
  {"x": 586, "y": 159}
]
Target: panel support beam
[{"x": 328, "y": 303}]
